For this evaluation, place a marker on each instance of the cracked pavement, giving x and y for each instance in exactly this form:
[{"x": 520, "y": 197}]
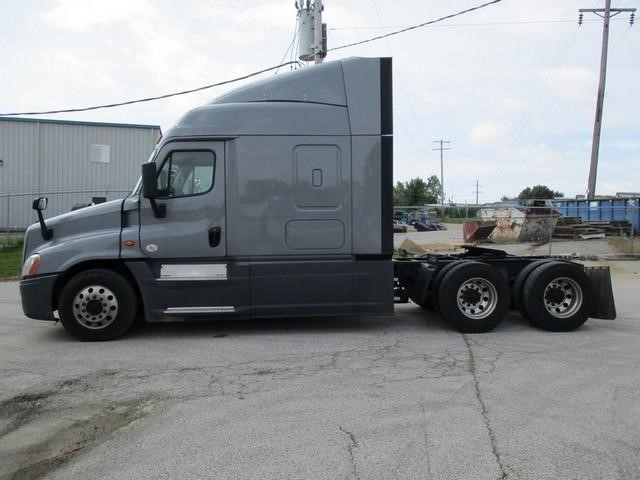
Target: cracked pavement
[{"x": 367, "y": 398}]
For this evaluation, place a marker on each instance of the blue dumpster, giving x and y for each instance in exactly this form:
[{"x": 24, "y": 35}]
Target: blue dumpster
[{"x": 604, "y": 209}]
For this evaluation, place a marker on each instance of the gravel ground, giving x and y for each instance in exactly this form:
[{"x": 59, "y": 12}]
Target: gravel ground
[{"x": 368, "y": 398}]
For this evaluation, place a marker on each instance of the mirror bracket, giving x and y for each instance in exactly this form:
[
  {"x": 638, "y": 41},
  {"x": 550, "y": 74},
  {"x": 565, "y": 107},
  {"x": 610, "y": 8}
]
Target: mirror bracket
[{"x": 159, "y": 209}]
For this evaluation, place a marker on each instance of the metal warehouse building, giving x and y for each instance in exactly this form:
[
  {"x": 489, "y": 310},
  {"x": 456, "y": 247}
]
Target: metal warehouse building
[{"x": 69, "y": 162}]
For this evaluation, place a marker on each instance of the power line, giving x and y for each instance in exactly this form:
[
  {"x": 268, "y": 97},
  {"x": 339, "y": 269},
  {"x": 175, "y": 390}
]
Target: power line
[
  {"x": 353, "y": 23},
  {"x": 414, "y": 27},
  {"x": 296, "y": 30},
  {"x": 411, "y": 126},
  {"x": 471, "y": 24},
  {"x": 150, "y": 99},
  {"x": 545, "y": 106},
  {"x": 244, "y": 77},
  {"x": 548, "y": 111}
]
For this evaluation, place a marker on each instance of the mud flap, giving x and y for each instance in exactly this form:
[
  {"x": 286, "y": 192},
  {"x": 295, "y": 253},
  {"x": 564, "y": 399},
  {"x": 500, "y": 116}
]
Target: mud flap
[
  {"x": 603, "y": 305},
  {"x": 421, "y": 287}
]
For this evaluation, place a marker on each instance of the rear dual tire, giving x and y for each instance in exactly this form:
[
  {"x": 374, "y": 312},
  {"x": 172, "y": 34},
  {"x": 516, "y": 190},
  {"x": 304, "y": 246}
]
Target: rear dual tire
[
  {"x": 556, "y": 296},
  {"x": 431, "y": 302},
  {"x": 473, "y": 297}
]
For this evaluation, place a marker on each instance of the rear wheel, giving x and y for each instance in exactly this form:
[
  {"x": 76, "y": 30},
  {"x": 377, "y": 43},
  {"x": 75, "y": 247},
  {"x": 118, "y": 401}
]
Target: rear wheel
[
  {"x": 437, "y": 281},
  {"x": 557, "y": 296},
  {"x": 473, "y": 297},
  {"x": 518, "y": 285},
  {"x": 97, "y": 305}
]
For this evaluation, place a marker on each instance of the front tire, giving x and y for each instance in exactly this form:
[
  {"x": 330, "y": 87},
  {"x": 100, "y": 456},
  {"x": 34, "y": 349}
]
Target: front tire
[{"x": 97, "y": 305}]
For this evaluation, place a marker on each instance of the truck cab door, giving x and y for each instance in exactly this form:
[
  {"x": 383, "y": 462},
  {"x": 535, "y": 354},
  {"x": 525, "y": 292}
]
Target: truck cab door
[
  {"x": 186, "y": 272},
  {"x": 191, "y": 183}
]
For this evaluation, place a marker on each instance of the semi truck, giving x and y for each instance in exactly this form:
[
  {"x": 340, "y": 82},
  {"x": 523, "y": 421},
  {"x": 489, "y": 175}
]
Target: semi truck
[{"x": 276, "y": 200}]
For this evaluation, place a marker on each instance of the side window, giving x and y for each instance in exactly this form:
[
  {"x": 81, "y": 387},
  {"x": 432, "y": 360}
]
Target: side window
[{"x": 186, "y": 173}]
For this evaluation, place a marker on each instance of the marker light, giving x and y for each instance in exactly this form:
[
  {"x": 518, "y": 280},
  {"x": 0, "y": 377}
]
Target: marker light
[{"x": 31, "y": 265}]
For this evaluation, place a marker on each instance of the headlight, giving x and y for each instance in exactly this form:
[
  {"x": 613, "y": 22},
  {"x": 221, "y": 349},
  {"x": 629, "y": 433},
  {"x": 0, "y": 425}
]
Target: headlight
[{"x": 30, "y": 266}]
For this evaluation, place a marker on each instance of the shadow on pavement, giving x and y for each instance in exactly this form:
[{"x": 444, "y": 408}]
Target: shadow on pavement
[{"x": 408, "y": 318}]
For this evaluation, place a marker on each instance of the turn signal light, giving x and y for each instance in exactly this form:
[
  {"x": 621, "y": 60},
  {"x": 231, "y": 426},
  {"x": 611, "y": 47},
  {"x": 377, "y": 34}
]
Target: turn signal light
[{"x": 31, "y": 265}]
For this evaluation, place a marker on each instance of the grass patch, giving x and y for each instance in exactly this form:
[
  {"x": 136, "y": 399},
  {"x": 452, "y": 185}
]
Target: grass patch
[{"x": 10, "y": 257}]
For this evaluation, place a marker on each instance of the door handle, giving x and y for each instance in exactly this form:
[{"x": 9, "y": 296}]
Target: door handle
[{"x": 215, "y": 234}]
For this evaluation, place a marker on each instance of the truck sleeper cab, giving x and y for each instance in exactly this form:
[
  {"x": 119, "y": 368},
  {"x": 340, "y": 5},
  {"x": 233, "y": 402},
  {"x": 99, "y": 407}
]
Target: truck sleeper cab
[{"x": 273, "y": 200}]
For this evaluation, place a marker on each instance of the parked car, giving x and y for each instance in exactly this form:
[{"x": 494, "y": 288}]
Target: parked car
[
  {"x": 399, "y": 227},
  {"x": 421, "y": 226}
]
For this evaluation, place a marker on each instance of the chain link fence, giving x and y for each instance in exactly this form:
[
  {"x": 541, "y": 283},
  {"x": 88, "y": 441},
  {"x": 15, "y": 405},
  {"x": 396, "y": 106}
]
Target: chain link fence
[
  {"x": 577, "y": 228},
  {"x": 16, "y": 213}
]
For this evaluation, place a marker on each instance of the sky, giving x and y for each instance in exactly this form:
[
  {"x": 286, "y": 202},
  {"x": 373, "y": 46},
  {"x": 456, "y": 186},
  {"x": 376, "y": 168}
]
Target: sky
[{"x": 512, "y": 86}]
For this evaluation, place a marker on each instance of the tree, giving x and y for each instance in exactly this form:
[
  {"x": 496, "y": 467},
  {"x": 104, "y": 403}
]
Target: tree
[
  {"x": 433, "y": 189},
  {"x": 541, "y": 192},
  {"x": 399, "y": 194},
  {"x": 417, "y": 192}
]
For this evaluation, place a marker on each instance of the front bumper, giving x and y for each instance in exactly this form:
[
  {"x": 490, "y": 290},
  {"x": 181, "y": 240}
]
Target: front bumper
[{"x": 37, "y": 296}]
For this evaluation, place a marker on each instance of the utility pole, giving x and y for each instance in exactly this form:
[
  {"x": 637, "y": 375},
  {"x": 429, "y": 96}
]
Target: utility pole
[
  {"x": 442, "y": 148},
  {"x": 312, "y": 33},
  {"x": 477, "y": 190},
  {"x": 320, "y": 53},
  {"x": 605, "y": 13}
]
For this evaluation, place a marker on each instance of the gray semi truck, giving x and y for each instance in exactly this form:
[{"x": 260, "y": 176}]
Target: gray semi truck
[{"x": 275, "y": 200}]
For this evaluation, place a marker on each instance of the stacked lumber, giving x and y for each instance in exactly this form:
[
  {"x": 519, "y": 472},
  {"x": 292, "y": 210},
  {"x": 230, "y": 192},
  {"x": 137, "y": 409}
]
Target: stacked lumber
[{"x": 574, "y": 228}]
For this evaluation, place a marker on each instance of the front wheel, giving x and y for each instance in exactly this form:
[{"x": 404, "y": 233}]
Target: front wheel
[{"x": 97, "y": 305}]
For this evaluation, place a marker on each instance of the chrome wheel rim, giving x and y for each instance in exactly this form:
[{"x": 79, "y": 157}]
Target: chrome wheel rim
[
  {"x": 563, "y": 297},
  {"x": 95, "y": 307},
  {"x": 477, "y": 298}
]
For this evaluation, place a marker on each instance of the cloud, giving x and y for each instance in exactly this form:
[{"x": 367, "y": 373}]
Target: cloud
[
  {"x": 77, "y": 71},
  {"x": 83, "y": 15},
  {"x": 569, "y": 82},
  {"x": 629, "y": 145},
  {"x": 488, "y": 133}
]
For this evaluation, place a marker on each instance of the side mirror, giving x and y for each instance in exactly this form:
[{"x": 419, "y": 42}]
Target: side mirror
[
  {"x": 149, "y": 180},
  {"x": 150, "y": 188},
  {"x": 40, "y": 203}
]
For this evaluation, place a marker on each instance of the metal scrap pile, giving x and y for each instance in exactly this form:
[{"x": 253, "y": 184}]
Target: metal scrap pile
[{"x": 574, "y": 228}]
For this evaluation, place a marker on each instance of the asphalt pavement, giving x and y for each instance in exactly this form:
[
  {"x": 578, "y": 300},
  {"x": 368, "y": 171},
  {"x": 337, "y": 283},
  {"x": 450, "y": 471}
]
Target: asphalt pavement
[{"x": 368, "y": 398}]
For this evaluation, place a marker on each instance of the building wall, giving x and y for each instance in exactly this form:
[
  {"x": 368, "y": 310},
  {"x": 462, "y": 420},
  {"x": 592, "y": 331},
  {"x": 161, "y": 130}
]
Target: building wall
[{"x": 55, "y": 159}]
